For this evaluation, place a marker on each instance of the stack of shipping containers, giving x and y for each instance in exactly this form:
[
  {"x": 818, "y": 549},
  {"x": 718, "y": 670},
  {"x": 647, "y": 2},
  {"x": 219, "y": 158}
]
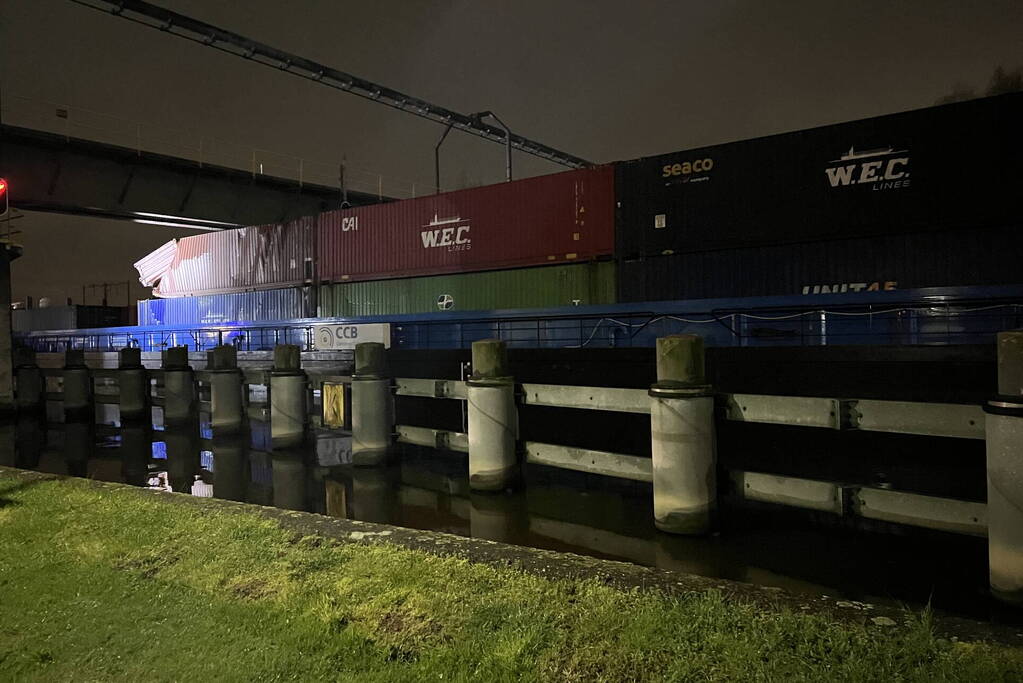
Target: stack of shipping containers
[
  {"x": 538, "y": 242},
  {"x": 926, "y": 198},
  {"x": 389, "y": 258}
]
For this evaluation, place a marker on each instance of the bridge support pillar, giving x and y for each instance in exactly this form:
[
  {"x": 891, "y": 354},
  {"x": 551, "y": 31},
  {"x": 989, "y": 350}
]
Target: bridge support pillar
[
  {"x": 133, "y": 386},
  {"x": 178, "y": 387},
  {"x": 1004, "y": 440},
  {"x": 8, "y": 252},
  {"x": 225, "y": 380},
  {"x": 289, "y": 408},
  {"x": 372, "y": 406},
  {"x": 682, "y": 438},
  {"x": 493, "y": 419},
  {"x": 31, "y": 385},
  {"x": 77, "y": 391}
]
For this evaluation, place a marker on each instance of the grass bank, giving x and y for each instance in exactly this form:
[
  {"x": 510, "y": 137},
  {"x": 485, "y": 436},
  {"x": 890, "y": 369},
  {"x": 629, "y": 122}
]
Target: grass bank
[{"x": 100, "y": 584}]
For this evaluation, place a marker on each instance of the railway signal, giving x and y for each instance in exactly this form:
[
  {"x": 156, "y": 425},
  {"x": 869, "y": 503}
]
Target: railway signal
[{"x": 5, "y": 205}]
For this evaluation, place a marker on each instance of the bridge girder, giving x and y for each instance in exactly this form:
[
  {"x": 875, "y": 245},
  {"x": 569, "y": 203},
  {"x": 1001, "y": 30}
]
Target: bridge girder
[{"x": 49, "y": 172}]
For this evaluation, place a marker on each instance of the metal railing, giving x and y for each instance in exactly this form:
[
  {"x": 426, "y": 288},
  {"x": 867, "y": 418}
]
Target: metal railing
[
  {"x": 945, "y": 324},
  {"x": 850, "y": 500}
]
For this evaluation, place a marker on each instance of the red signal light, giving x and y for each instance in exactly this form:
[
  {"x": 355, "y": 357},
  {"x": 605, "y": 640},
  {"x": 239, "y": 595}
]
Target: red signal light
[{"x": 3, "y": 186}]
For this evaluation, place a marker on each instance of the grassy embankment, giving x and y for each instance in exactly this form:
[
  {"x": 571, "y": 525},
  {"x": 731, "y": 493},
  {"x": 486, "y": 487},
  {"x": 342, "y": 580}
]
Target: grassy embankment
[{"x": 99, "y": 585}]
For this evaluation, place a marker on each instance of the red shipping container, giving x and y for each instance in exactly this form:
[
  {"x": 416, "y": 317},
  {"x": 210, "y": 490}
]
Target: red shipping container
[
  {"x": 259, "y": 257},
  {"x": 559, "y": 218}
]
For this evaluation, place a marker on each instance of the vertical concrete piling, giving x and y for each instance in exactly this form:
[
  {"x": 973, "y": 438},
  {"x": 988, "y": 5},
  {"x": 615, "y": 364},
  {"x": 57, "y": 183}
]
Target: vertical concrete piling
[
  {"x": 79, "y": 445},
  {"x": 225, "y": 380},
  {"x": 133, "y": 386},
  {"x": 31, "y": 385},
  {"x": 504, "y": 519},
  {"x": 231, "y": 471},
  {"x": 31, "y": 440},
  {"x": 136, "y": 451},
  {"x": 375, "y": 494},
  {"x": 493, "y": 419},
  {"x": 1004, "y": 440},
  {"x": 178, "y": 386},
  {"x": 372, "y": 406},
  {"x": 289, "y": 406},
  {"x": 183, "y": 463},
  {"x": 682, "y": 438},
  {"x": 8, "y": 444},
  {"x": 289, "y": 475},
  {"x": 77, "y": 381}
]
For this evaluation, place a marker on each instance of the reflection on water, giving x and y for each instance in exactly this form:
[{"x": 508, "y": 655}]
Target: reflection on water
[{"x": 556, "y": 510}]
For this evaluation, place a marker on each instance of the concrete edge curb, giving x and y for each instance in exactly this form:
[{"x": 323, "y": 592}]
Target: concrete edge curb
[{"x": 556, "y": 565}]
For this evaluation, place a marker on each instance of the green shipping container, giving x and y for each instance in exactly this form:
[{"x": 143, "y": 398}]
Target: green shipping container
[{"x": 578, "y": 284}]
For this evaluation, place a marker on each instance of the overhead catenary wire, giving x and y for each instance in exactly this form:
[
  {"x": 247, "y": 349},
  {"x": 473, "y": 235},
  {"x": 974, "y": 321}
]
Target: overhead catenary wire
[{"x": 180, "y": 25}]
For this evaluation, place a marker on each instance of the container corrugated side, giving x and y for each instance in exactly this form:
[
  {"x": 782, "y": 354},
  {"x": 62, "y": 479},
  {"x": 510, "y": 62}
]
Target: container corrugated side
[
  {"x": 256, "y": 306},
  {"x": 50, "y": 318},
  {"x": 557, "y": 218},
  {"x": 259, "y": 257},
  {"x": 934, "y": 259},
  {"x": 152, "y": 266},
  {"x": 541, "y": 287},
  {"x": 954, "y": 166}
]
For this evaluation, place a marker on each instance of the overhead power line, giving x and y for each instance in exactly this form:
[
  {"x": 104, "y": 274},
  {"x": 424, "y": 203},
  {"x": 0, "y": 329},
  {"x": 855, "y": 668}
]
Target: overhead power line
[{"x": 227, "y": 41}]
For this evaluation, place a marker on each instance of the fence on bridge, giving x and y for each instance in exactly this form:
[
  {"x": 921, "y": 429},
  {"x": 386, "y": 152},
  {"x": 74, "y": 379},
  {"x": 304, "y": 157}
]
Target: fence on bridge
[{"x": 968, "y": 315}]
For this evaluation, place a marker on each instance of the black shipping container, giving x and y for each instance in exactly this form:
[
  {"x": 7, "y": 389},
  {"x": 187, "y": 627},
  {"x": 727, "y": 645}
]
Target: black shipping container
[
  {"x": 984, "y": 256},
  {"x": 953, "y": 166}
]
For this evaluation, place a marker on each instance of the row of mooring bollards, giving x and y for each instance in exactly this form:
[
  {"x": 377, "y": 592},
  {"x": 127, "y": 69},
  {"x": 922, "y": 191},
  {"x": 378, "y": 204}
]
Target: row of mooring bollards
[
  {"x": 682, "y": 429},
  {"x": 681, "y": 426},
  {"x": 289, "y": 400},
  {"x": 683, "y": 445}
]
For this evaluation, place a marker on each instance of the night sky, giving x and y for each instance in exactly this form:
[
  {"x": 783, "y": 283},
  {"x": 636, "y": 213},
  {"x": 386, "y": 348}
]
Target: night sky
[{"x": 602, "y": 79}]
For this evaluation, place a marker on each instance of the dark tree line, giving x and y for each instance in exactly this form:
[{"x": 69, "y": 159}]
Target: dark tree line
[{"x": 1002, "y": 81}]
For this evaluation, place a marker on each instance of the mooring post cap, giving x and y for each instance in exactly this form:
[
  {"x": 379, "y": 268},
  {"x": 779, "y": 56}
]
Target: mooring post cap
[
  {"x": 370, "y": 360},
  {"x": 222, "y": 358},
  {"x": 680, "y": 361},
  {"x": 175, "y": 358},
  {"x": 490, "y": 359},
  {"x": 287, "y": 358},
  {"x": 129, "y": 357}
]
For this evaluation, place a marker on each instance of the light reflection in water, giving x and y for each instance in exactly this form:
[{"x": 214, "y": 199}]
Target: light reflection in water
[{"x": 554, "y": 510}]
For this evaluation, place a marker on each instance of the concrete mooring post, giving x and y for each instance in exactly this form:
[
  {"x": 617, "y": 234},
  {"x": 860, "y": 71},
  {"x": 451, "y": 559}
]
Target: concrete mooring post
[
  {"x": 77, "y": 389},
  {"x": 31, "y": 385},
  {"x": 372, "y": 406},
  {"x": 178, "y": 386},
  {"x": 225, "y": 380},
  {"x": 133, "y": 386},
  {"x": 289, "y": 407},
  {"x": 682, "y": 438},
  {"x": 1004, "y": 440},
  {"x": 493, "y": 418},
  {"x": 231, "y": 468},
  {"x": 136, "y": 451}
]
